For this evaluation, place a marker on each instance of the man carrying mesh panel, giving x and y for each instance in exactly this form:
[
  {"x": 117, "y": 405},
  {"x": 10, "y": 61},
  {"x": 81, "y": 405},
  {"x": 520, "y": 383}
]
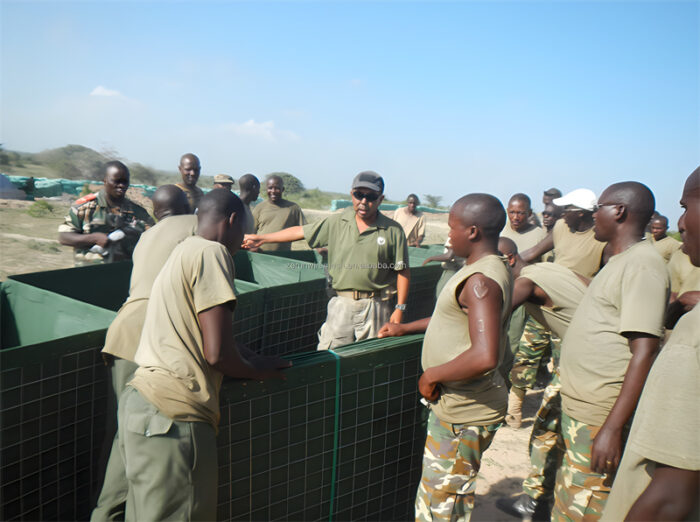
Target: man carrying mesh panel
[
  {"x": 367, "y": 264},
  {"x": 169, "y": 412},
  {"x": 465, "y": 339}
]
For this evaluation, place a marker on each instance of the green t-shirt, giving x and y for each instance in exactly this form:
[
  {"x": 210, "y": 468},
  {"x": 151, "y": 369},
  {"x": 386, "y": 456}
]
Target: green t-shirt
[
  {"x": 480, "y": 401},
  {"x": 666, "y": 427},
  {"x": 273, "y": 217},
  {"x": 628, "y": 295},
  {"x": 365, "y": 262}
]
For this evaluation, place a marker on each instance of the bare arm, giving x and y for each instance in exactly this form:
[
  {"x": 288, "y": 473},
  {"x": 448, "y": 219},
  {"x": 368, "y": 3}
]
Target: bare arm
[
  {"x": 523, "y": 288},
  {"x": 538, "y": 250},
  {"x": 607, "y": 445},
  {"x": 680, "y": 305},
  {"x": 671, "y": 495},
  {"x": 403, "y": 281},
  {"x": 440, "y": 258},
  {"x": 282, "y": 236},
  {"x": 221, "y": 352},
  {"x": 483, "y": 299},
  {"x": 399, "y": 329},
  {"x": 76, "y": 240}
]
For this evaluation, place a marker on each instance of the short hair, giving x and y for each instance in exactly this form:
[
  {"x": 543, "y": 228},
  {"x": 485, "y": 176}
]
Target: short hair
[
  {"x": 247, "y": 182},
  {"x": 274, "y": 176},
  {"x": 637, "y": 198},
  {"x": 483, "y": 210},
  {"x": 507, "y": 246},
  {"x": 414, "y": 197},
  {"x": 119, "y": 165},
  {"x": 523, "y": 198},
  {"x": 218, "y": 204},
  {"x": 659, "y": 217}
]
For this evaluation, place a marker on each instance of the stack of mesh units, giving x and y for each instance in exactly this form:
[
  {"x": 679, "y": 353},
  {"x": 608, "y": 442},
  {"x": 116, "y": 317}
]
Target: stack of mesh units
[
  {"x": 295, "y": 300},
  {"x": 341, "y": 438},
  {"x": 53, "y": 387}
]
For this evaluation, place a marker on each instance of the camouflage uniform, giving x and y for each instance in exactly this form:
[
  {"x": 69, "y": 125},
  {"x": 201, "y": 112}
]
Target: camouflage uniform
[
  {"x": 451, "y": 463},
  {"x": 91, "y": 214},
  {"x": 580, "y": 492},
  {"x": 534, "y": 342},
  {"x": 546, "y": 444}
]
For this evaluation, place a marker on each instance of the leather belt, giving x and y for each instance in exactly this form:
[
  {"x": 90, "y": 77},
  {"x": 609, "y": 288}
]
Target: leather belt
[{"x": 384, "y": 294}]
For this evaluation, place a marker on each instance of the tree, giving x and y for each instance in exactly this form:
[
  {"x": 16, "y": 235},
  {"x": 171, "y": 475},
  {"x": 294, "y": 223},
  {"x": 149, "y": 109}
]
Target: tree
[
  {"x": 292, "y": 184},
  {"x": 432, "y": 201}
]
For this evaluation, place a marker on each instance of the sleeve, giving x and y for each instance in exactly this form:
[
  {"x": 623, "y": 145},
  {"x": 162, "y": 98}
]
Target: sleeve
[
  {"x": 213, "y": 284},
  {"x": 401, "y": 254},
  {"x": 71, "y": 223},
  {"x": 317, "y": 234},
  {"x": 643, "y": 298},
  {"x": 421, "y": 226}
]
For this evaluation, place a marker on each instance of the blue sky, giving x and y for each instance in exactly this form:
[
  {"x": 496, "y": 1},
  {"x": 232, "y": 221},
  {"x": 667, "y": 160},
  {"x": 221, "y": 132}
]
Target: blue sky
[{"x": 440, "y": 98}]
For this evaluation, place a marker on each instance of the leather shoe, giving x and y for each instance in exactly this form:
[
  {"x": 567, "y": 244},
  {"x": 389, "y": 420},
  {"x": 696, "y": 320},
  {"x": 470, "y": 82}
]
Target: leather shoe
[{"x": 524, "y": 507}]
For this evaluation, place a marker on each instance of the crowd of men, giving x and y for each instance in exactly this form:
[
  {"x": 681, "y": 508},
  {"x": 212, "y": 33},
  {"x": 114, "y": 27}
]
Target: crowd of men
[{"x": 594, "y": 282}]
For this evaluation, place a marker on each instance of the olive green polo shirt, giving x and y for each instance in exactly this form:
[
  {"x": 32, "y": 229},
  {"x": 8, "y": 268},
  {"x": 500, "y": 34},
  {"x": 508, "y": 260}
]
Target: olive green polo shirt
[{"x": 365, "y": 262}]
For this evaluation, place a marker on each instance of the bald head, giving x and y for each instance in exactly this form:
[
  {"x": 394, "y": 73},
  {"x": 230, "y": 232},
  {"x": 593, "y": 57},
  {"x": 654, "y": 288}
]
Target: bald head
[
  {"x": 522, "y": 198},
  {"x": 636, "y": 197},
  {"x": 169, "y": 200},
  {"x": 248, "y": 182},
  {"x": 482, "y": 210},
  {"x": 692, "y": 184},
  {"x": 507, "y": 246},
  {"x": 219, "y": 204},
  {"x": 189, "y": 169}
]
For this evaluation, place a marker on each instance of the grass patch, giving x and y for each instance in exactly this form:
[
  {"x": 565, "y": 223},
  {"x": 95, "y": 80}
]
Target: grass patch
[
  {"x": 46, "y": 248},
  {"x": 40, "y": 208}
]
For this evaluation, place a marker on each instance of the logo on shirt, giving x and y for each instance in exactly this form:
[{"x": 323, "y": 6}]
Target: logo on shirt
[{"x": 381, "y": 240}]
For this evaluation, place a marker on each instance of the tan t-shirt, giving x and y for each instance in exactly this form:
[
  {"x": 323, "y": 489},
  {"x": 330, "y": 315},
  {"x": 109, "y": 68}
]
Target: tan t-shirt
[
  {"x": 480, "y": 401},
  {"x": 666, "y": 247},
  {"x": 579, "y": 251},
  {"x": 685, "y": 277},
  {"x": 524, "y": 240},
  {"x": 628, "y": 295},
  {"x": 271, "y": 217},
  {"x": 666, "y": 427},
  {"x": 413, "y": 225},
  {"x": 563, "y": 287},
  {"x": 173, "y": 373},
  {"x": 151, "y": 253}
]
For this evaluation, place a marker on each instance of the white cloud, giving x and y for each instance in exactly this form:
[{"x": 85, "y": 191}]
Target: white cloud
[
  {"x": 104, "y": 91},
  {"x": 265, "y": 130}
]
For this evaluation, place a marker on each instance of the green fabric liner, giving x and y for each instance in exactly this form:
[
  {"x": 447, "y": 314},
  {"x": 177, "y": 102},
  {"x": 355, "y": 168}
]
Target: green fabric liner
[{"x": 336, "y": 423}]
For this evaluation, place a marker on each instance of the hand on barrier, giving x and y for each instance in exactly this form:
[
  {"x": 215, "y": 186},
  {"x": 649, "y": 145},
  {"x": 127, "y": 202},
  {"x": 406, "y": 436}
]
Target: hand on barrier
[{"x": 391, "y": 329}]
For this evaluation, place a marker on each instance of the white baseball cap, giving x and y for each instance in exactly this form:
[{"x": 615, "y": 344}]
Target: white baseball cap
[{"x": 581, "y": 198}]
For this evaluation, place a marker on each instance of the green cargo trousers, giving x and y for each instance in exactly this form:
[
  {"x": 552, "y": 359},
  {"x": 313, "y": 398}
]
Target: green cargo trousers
[
  {"x": 171, "y": 466},
  {"x": 110, "y": 504}
]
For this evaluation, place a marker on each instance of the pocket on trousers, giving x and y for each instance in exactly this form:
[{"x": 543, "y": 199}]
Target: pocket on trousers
[{"x": 149, "y": 424}]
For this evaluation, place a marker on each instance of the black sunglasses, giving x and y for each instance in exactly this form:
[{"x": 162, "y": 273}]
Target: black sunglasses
[{"x": 369, "y": 196}]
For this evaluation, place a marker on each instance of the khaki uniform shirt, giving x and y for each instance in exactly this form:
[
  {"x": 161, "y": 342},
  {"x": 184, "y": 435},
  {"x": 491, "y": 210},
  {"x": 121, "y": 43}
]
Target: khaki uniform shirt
[
  {"x": 92, "y": 213},
  {"x": 413, "y": 225},
  {"x": 666, "y": 247},
  {"x": 365, "y": 262},
  {"x": 150, "y": 254},
  {"x": 194, "y": 195},
  {"x": 628, "y": 295},
  {"x": 273, "y": 217},
  {"x": 480, "y": 401},
  {"x": 173, "y": 373},
  {"x": 666, "y": 427},
  {"x": 685, "y": 277},
  {"x": 524, "y": 240},
  {"x": 579, "y": 251},
  {"x": 563, "y": 287}
]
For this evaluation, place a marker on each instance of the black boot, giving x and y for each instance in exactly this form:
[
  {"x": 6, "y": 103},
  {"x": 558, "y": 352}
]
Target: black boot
[{"x": 524, "y": 507}]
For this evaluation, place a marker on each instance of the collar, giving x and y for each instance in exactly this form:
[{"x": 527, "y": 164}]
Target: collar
[{"x": 382, "y": 221}]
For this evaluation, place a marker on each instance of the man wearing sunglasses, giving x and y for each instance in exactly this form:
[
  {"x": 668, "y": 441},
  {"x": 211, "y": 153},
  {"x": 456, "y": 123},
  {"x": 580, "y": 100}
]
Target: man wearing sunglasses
[{"x": 367, "y": 264}]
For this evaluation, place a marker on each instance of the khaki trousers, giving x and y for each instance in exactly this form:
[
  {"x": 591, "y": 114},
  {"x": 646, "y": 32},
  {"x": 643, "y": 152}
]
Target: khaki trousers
[
  {"x": 351, "y": 320},
  {"x": 171, "y": 466}
]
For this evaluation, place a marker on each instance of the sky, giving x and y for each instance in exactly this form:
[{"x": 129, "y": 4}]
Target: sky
[{"x": 440, "y": 98}]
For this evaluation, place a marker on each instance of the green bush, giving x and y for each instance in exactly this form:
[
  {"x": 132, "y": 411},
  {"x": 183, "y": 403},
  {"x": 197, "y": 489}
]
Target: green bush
[{"x": 40, "y": 208}]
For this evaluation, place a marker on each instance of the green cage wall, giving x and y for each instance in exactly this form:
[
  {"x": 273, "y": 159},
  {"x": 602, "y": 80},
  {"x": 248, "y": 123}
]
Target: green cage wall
[{"x": 341, "y": 438}]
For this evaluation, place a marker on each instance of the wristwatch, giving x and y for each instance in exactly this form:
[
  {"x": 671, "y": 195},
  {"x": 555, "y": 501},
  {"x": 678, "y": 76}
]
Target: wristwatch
[{"x": 401, "y": 307}]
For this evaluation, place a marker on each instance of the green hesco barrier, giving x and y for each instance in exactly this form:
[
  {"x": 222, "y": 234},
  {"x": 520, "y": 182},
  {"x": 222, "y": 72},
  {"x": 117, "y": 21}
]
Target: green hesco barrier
[
  {"x": 340, "y": 439},
  {"x": 53, "y": 388}
]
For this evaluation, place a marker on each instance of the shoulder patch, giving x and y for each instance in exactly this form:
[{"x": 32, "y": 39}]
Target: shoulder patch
[{"x": 85, "y": 199}]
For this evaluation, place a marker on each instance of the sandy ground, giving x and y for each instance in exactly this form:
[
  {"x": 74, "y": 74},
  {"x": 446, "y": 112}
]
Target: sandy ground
[{"x": 28, "y": 244}]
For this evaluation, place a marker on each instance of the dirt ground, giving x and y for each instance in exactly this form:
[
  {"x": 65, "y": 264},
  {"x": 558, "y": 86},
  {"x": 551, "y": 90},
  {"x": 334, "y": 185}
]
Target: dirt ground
[{"x": 29, "y": 244}]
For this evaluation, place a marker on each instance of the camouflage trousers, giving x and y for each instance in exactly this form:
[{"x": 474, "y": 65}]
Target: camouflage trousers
[
  {"x": 451, "y": 462},
  {"x": 546, "y": 444},
  {"x": 580, "y": 493},
  {"x": 532, "y": 346}
]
